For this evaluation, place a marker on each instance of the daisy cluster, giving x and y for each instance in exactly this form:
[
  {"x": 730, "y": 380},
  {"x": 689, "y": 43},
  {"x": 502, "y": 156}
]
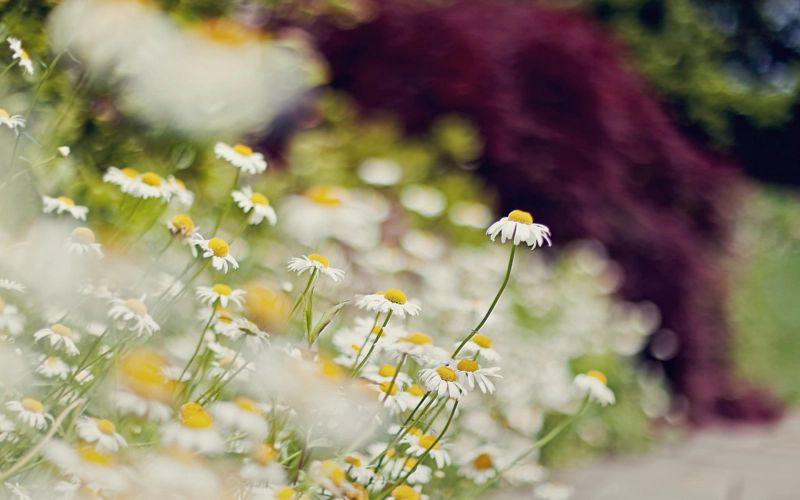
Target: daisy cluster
[{"x": 180, "y": 343}]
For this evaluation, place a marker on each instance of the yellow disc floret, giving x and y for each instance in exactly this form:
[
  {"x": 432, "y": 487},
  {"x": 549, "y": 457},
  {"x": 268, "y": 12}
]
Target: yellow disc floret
[
  {"x": 130, "y": 172},
  {"x": 332, "y": 471},
  {"x": 183, "y": 223},
  {"x": 91, "y": 454},
  {"x": 151, "y": 179},
  {"x": 285, "y": 493},
  {"x": 195, "y": 416},
  {"x": 243, "y": 150},
  {"x": 247, "y": 404},
  {"x": 482, "y": 340},
  {"x": 598, "y": 375},
  {"x": 66, "y": 200},
  {"x": 388, "y": 387},
  {"x": 483, "y": 461},
  {"x": 83, "y": 235},
  {"x": 259, "y": 199},
  {"x": 324, "y": 195},
  {"x": 137, "y": 306},
  {"x": 264, "y": 454},
  {"x": 387, "y": 371},
  {"x": 33, "y": 405},
  {"x": 446, "y": 374},
  {"x": 395, "y": 295},
  {"x": 62, "y": 330},
  {"x": 428, "y": 441},
  {"x": 319, "y": 258},
  {"x": 405, "y": 492},
  {"x": 520, "y": 216},
  {"x": 418, "y": 338},
  {"x": 222, "y": 289},
  {"x": 467, "y": 365},
  {"x": 218, "y": 246},
  {"x": 415, "y": 390},
  {"x": 353, "y": 460},
  {"x": 105, "y": 426}
]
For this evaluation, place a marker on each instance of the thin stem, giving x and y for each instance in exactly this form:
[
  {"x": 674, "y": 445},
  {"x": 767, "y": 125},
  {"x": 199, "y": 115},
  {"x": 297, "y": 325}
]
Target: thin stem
[
  {"x": 366, "y": 340},
  {"x": 227, "y": 206},
  {"x": 200, "y": 340},
  {"x": 394, "y": 377},
  {"x": 302, "y": 295},
  {"x": 372, "y": 347}
]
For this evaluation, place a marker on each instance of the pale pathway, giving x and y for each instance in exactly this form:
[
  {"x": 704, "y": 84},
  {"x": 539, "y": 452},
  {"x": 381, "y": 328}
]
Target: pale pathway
[{"x": 718, "y": 464}]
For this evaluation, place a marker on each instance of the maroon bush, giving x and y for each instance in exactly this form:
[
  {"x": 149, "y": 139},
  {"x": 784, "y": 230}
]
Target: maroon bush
[{"x": 573, "y": 135}]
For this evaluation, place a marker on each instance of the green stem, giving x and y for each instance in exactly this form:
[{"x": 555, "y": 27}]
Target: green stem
[
  {"x": 302, "y": 295},
  {"x": 394, "y": 377},
  {"x": 372, "y": 347},
  {"x": 199, "y": 341},
  {"x": 228, "y": 202}
]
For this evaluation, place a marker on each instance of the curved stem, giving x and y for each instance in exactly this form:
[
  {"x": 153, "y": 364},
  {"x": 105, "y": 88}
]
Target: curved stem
[{"x": 372, "y": 347}]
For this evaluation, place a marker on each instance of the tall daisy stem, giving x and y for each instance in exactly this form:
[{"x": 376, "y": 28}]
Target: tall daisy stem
[
  {"x": 199, "y": 341},
  {"x": 227, "y": 206},
  {"x": 303, "y": 294},
  {"x": 372, "y": 346}
]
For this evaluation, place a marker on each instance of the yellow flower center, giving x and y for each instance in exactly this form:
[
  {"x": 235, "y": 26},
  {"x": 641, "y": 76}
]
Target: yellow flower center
[
  {"x": 151, "y": 179},
  {"x": 183, "y": 223},
  {"x": 179, "y": 183},
  {"x": 395, "y": 295},
  {"x": 247, "y": 404},
  {"x": 446, "y": 374},
  {"x": 387, "y": 371},
  {"x": 319, "y": 258},
  {"x": 332, "y": 471},
  {"x": 418, "y": 338},
  {"x": 62, "y": 330},
  {"x": 222, "y": 289},
  {"x": 467, "y": 365},
  {"x": 4, "y": 113},
  {"x": 83, "y": 235},
  {"x": 106, "y": 426},
  {"x": 195, "y": 416},
  {"x": 405, "y": 492},
  {"x": 243, "y": 150},
  {"x": 483, "y": 462},
  {"x": 130, "y": 172},
  {"x": 259, "y": 199},
  {"x": 137, "y": 306},
  {"x": 520, "y": 216},
  {"x": 353, "y": 460},
  {"x": 218, "y": 246},
  {"x": 33, "y": 405},
  {"x": 66, "y": 200},
  {"x": 415, "y": 390},
  {"x": 142, "y": 371},
  {"x": 389, "y": 388},
  {"x": 23, "y": 54},
  {"x": 428, "y": 441},
  {"x": 415, "y": 431},
  {"x": 225, "y": 316},
  {"x": 324, "y": 195},
  {"x": 598, "y": 375},
  {"x": 264, "y": 454},
  {"x": 329, "y": 369},
  {"x": 285, "y": 493},
  {"x": 391, "y": 452},
  {"x": 91, "y": 454},
  {"x": 355, "y": 347},
  {"x": 410, "y": 463},
  {"x": 482, "y": 340},
  {"x": 51, "y": 360},
  {"x": 377, "y": 330}
]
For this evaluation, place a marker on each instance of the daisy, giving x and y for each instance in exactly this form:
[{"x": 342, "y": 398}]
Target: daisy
[
  {"x": 11, "y": 320},
  {"x": 261, "y": 466},
  {"x": 242, "y": 157},
  {"x": 418, "y": 443},
  {"x": 8, "y": 284},
  {"x": 481, "y": 344},
  {"x": 218, "y": 250},
  {"x": 194, "y": 430},
  {"x": 178, "y": 189},
  {"x": 315, "y": 262},
  {"x": 64, "y": 204},
  {"x": 146, "y": 386},
  {"x": 385, "y": 373},
  {"x": 391, "y": 299},
  {"x": 391, "y": 396},
  {"x": 134, "y": 312},
  {"x": 255, "y": 204},
  {"x": 470, "y": 373},
  {"x": 101, "y": 432},
  {"x": 401, "y": 466},
  {"x": 418, "y": 345},
  {"x": 519, "y": 225},
  {"x": 594, "y": 384},
  {"x": 30, "y": 412},
  {"x": 330, "y": 476},
  {"x": 52, "y": 366},
  {"x": 14, "y": 122},
  {"x": 135, "y": 404},
  {"x": 222, "y": 293},
  {"x": 124, "y": 178},
  {"x": 242, "y": 415},
  {"x": 443, "y": 381},
  {"x": 182, "y": 224},
  {"x": 405, "y": 492},
  {"x": 480, "y": 466},
  {"x": 150, "y": 185},
  {"x": 254, "y": 337},
  {"x": 59, "y": 336},
  {"x": 228, "y": 362},
  {"x": 20, "y": 54},
  {"x": 82, "y": 241},
  {"x": 95, "y": 469},
  {"x": 7, "y": 430},
  {"x": 358, "y": 468}
]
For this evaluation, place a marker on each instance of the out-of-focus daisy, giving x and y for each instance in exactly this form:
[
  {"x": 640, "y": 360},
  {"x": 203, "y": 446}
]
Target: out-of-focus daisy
[
  {"x": 380, "y": 172},
  {"x": 262, "y": 467},
  {"x": 482, "y": 344},
  {"x": 20, "y": 54},
  {"x": 330, "y": 475},
  {"x": 14, "y": 122},
  {"x": 242, "y": 157},
  {"x": 385, "y": 373},
  {"x": 228, "y": 362},
  {"x": 391, "y": 395},
  {"x": 30, "y": 412},
  {"x": 220, "y": 293},
  {"x": 194, "y": 430},
  {"x": 519, "y": 226},
  {"x": 391, "y": 299},
  {"x": 405, "y": 492},
  {"x": 134, "y": 313},
  {"x": 7, "y": 284},
  {"x": 243, "y": 415},
  {"x": 101, "y": 432},
  {"x": 182, "y": 224},
  {"x": 178, "y": 189},
  {"x": 60, "y": 336},
  {"x": 424, "y": 200},
  {"x": 443, "y": 381},
  {"x": 317, "y": 262},
  {"x": 358, "y": 468},
  {"x": 53, "y": 366},
  {"x": 552, "y": 491},
  {"x": 7, "y": 430},
  {"x": 219, "y": 252},
  {"x": 82, "y": 241},
  {"x": 64, "y": 204},
  {"x": 418, "y": 345},
  {"x": 146, "y": 389},
  {"x": 94, "y": 468},
  {"x": 12, "y": 321},
  {"x": 403, "y": 465},
  {"x": 418, "y": 443},
  {"x": 123, "y": 178},
  {"x": 594, "y": 384},
  {"x": 255, "y": 204},
  {"x": 150, "y": 185},
  {"x": 480, "y": 465},
  {"x": 470, "y": 373}
]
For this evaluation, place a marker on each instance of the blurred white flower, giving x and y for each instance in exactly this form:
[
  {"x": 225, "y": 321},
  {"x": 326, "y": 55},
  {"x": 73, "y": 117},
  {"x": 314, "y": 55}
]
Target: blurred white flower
[
  {"x": 255, "y": 204},
  {"x": 64, "y": 204},
  {"x": 593, "y": 384},
  {"x": 19, "y": 54},
  {"x": 14, "y": 122},
  {"x": 316, "y": 262}
]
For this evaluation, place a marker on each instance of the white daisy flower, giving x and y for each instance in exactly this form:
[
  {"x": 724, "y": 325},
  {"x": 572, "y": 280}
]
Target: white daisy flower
[
  {"x": 124, "y": 178},
  {"x": 64, "y": 204},
  {"x": 242, "y": 157},
  {"x": 443, "y": 381},
  {"x": 317, "y": 262},
  {"x": 52, "y": 366},
  {"x": 482, "y": 344},
  {"x": 255, "y": 204},
  {"x": 30, "y": 412},
  {"x": 262, "y": 466},
  {"x": 385, "y": 373},
  {"x": 11, "y": 320},
  {"x": 406, "y": 492},
  {"x": 470, "y": 373},
  {"x": 82, "y": 241},
  {"x": 133, "y": 311},
  {"x": 7, "y": 430},
  {"x": 418, "y": 345},
  {"x": 480, "y": 465},
  {"x": 14, "y": 122},
  {"x": 177, "y": 188},
  {"x": 391, "y": 299},
  {"x": 150, "y": 185},
  {"x": 391, "y": 396},
  {"x": 242, "y": 415},
  {"x": 182, "y": 224},
  {"x": 8, "y": 284},
  {"x": 228, "y": 362},
  {"x": 194, "y": 431},
  {"x": 20, "y": 54},
  {"x": 330, "y": 476},
  {"x": 380, "y": 172},
  {"x": 219, "y": 252},
  {"x": 418, "y": 443},
  {"x": 519, "y": 226},
  {"x": 135, "y": 404},
  {"x": 401, "y": 466},
  {"x": 358, "y": 468},
  {"x": 552, "y": 491},
  {"x": 60, "y": 336},
  {"x": 101, "y": 432},
  {"x": 94, "y": 469},
  {"x": 594, "y": 384},
  {"x": 222, "y": 293}
]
